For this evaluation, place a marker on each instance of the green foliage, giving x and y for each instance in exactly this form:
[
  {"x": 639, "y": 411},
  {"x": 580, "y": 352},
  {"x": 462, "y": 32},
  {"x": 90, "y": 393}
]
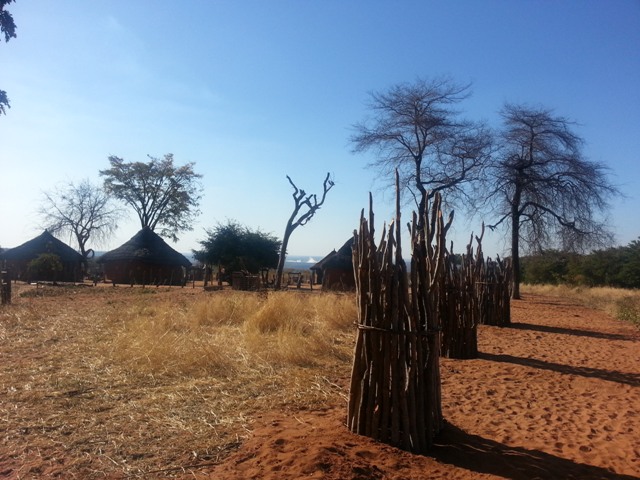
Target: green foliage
[
  {"x": 45, "y": 266},
  {"x": 7, "y": 25},
  {"x": 8, "y": 29},
  {"x": 236, "y": 247},
  {"x": 612, "y": 267},
  {"x": 549, "y": 268},
  {"x": 164, "y": 197}
]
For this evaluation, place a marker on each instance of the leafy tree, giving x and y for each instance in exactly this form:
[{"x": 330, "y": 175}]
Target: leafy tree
[
  {"x": 82, "y": 210},
  {"x": 164, "y": 196},
  {"x": 541, "y": 184},
  {"x": 629, "y": 276},
  {"x": 236, "y": 247},
  {"x": 305, "y": 207},
  {"x": 8, "y": 29},
  {"x": 414, "y": 129}
]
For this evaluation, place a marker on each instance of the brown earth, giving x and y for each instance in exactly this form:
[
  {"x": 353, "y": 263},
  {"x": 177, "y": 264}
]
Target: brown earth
[{"x": 555, "y": 396}]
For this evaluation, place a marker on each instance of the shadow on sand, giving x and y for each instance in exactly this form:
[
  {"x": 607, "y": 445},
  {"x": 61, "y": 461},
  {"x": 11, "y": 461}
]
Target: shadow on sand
[
  {"x": 632, "y": 379},
  {"x": 456, "y": 447},
  {"x": 571, "y": 331}
]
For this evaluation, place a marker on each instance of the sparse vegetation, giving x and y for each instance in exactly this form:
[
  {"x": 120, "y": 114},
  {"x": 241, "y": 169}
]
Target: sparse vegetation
[
  {"x": 620, "y": 303},
  {"x": 126, "y": 377}
]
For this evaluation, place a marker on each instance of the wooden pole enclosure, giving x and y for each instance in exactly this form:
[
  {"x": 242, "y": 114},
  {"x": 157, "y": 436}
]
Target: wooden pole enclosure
[
  {"x": 494, "y": 293},
  {"x": 459, "y": 303},
  {"x": 475, "y": 292},
  {"x": 395, "y": 391}
]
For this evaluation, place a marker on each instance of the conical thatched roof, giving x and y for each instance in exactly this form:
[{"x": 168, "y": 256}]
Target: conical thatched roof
[
  {"x": 43, "y": 243},
  {"x": 147, "y": 247},
  {"x": 341, "y": 259}
]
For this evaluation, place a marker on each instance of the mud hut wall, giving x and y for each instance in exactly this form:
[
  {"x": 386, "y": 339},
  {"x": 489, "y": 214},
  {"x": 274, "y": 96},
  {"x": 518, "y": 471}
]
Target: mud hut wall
[
  {"x": 140, "y": 273},
  {"x": 339, "y": 279},
  {"x": 71, "y": 272}
]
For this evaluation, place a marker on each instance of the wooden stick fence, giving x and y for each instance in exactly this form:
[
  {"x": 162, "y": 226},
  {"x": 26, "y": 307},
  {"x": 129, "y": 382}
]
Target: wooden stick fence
[
  {"x": 459, "y": 304},
  {"x": 395, "y": 393},
  {"x": 493, "y": 292}
]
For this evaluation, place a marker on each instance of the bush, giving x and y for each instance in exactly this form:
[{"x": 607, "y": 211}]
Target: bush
[{"x": 45, "y": 266}]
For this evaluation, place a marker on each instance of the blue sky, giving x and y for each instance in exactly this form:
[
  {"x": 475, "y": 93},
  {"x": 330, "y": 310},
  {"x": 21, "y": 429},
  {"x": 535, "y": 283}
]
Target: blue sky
[{"x": 252, "y": 91}]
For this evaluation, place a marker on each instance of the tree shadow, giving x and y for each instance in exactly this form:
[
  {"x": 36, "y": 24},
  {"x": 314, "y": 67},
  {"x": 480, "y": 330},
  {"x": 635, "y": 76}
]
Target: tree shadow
[
  {"x": 632, "y": 379},
  {"x": 556, "y": 302},
  {"x": 571, "y": 331},
  {"x": 456, "y": 447}
]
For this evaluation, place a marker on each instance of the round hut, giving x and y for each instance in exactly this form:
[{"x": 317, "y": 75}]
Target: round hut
[
  {"x": 145, "y": 259},
  {"x": 18, "y": 260}
]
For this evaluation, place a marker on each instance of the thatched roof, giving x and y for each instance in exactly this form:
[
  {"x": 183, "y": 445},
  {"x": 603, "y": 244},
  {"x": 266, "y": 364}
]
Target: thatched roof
[
  {"x": 146, "y": 246},
  {"x": 341, "y": 259},
  {"x": 43, "y": 243}
]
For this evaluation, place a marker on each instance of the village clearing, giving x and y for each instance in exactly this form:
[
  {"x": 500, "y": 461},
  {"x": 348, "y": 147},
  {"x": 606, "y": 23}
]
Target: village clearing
[{"x": 180, "y": 383}]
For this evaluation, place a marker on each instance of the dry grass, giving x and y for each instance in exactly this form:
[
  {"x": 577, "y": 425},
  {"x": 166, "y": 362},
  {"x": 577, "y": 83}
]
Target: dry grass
[
  {"x": 134, "y": 382},
  {"x": 617, "y": 302}
]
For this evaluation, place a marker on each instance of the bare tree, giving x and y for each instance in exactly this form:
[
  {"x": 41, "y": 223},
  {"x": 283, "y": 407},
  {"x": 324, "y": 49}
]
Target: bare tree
[
  {"x": 162, "y": 195},
  {"x": 83, "y": 210},
  {"x": 544, "y": 188},
  {"x": 415, "y": 130},
  {"x": 305, "y": 207}
]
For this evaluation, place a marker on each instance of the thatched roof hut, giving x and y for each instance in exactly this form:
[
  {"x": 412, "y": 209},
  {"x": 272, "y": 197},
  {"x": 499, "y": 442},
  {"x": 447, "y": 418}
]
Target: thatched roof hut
[
  {"x": 18, "y": 259},
  {"x": 335, "y": 271},
  {"x": 145, "y": 259}
]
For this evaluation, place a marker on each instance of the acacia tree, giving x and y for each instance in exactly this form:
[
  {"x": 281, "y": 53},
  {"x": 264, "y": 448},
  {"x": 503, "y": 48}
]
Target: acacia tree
[
  {"x": 541, "y": 185},
  {"x": 236, "y": 247},
  {"x": 164, "y": 196},
  {"x": 305, "y": 207},
  {"x": 82, "y": 210},
  {"x": 8, "y": 29},
  {"x": 415, "y": 130}
]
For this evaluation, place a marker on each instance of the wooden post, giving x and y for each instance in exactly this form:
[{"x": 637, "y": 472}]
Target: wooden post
[{"x": 5, "y": 287}]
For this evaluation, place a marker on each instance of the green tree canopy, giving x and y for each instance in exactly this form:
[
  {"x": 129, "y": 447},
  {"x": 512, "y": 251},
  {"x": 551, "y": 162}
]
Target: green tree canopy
[
  {"x": 236, "y": 247},
  {"x": 165, "y": 197}
]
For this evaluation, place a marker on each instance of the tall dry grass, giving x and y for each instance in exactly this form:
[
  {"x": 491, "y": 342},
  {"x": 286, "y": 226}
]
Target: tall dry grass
[
  {"x": 620, "y": 303},
  {"x": 231, "y": 333},
  {"x": 132, "y": 378}
]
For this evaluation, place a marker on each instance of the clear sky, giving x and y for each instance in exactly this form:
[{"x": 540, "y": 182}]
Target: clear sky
[{"x": 252, "y": 91}]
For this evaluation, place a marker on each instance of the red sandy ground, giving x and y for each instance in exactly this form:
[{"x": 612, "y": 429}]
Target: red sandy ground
[{"x": 556, "y": 396}]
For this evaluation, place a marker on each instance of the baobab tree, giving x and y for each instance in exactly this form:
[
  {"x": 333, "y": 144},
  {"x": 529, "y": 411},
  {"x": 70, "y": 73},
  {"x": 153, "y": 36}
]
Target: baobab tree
[
  {"x": 541, "y": 185},
  {"x": 304, "y": 209}
]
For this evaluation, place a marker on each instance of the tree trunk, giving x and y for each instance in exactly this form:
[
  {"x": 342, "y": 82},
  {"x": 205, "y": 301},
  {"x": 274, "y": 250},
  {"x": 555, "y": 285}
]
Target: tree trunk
[
  {"x": 283, "y": 255},
  {"x": 515, "y": 252}
]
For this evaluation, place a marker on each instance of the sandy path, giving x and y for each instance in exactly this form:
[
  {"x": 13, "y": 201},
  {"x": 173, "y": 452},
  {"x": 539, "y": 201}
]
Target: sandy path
[{"x": 555, "y": 396}]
